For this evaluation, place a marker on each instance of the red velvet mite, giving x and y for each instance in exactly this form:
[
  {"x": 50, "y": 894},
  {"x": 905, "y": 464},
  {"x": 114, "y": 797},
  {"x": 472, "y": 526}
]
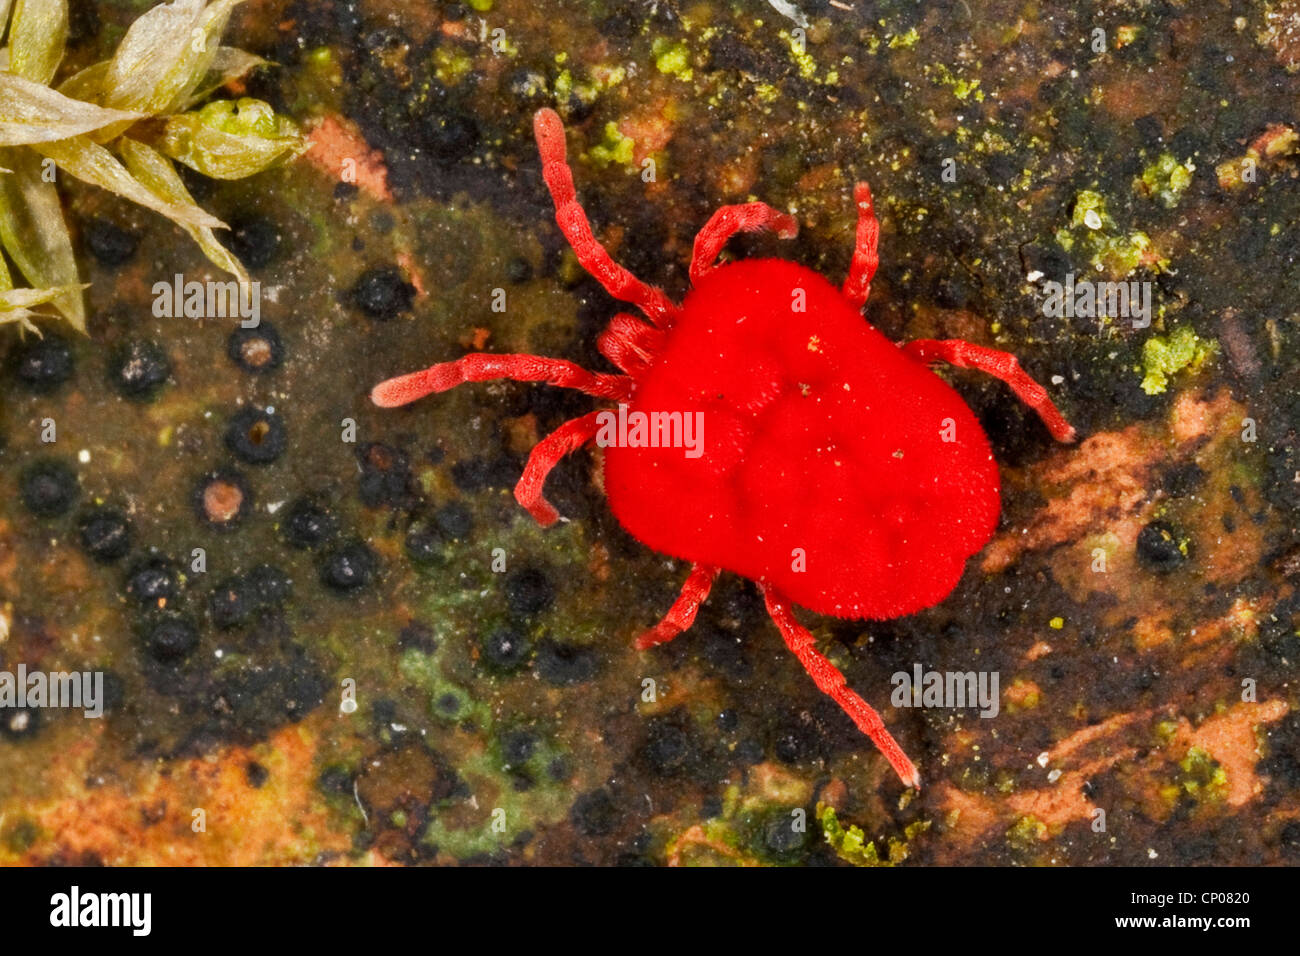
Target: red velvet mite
[{"x": 836, "y": 469}]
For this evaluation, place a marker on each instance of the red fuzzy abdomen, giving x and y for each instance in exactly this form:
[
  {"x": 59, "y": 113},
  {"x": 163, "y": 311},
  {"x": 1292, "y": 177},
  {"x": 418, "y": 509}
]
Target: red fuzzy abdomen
[{"x": 822, "y": 448}]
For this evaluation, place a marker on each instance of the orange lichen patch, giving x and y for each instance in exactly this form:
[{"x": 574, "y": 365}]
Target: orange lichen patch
[
  {"x": 521, "y": 433},
  {"x": 1111, "y": 491},
  {"x": 412, "y": 272},
  {"x": 148, "y": 821},
  {"x": 1153, "y": 629},
  {"x": 1057, "y": 805},
  {"x": 1040, "y": 649},
  {"x": 1283, "y": 32},
  {"x": 338, "y": 149},
  {"x": 1134, "y": 93},
  {"x": 973, "y": 816},
  {"x": 834, "y": 794},
  {"x": 737, "y": 176},
  {"x": 968, "y": 815},
  {"x": 650, "y": 129},
  {"x": 460, "y": 29},
  {"x": 222, "y": 500},
  {"x": 1107, "y": 478},
  {"x": 1086, "y": 736},
  {"x": 1229, "y": 738},
  {"x": 598, "y": 565},
  {"x": 1276, "y": 141},
  {"x": 1022, "y": 694},
  {"x": 1194, "y": 416}
]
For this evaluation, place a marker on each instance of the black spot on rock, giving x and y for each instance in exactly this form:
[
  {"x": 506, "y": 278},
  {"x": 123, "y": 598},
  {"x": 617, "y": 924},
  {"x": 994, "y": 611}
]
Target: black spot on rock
[
  {"x": 564, "y": 665},
  {"x": 256, "y": 775},
  {"x": 48, "y": 488},
  {"x": 169, "y": 638},
  {"x": 349, "y": 568},
  {"x": 666, "y": 749},
  {"x": 308, "y": 524},
  {"x": 528, "y": 592},
  {"x": 451, "y": 137},
  {"x": 255, "y": 241},
  {"x": 385, "y": 476},
  {"x": 105, "y": 534},
  {"x": 138, "y": 369},
  {"x": 454, "y": 520},
  {"x": 505, "y": 649},
  {"x": 424, "y": 545},
  {"x": 1158, "y": 547},
  {"x": 256, "y": 350},
  {"x": 594, "y": 814},
  {"x": 382, "y": 293},
  {"x": 110, "y": 243},
  {"x": 256, "y": 435},
  {"x": 153, "y": 582},
  {"x": 42, "y": 364}
]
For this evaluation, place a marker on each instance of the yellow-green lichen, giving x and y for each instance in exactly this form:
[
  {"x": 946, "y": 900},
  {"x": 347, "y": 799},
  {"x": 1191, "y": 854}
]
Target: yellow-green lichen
[
  {"x": 852, "y": 846},
  {"x": 1163, "y": 356},
  {"x": 1092, "y": 233},
  {"x": 1202, "y": 778},
  {"x": 615, "y": 148},
  {"x": 802, "y": 58},
  {"x": 1027, "y": 833},
  {"x": 904, "y": 41},
  {"x": 450, "y": 65},
  {"x": 672, "y": 58},
  {"x": 1166, "y": 179}
]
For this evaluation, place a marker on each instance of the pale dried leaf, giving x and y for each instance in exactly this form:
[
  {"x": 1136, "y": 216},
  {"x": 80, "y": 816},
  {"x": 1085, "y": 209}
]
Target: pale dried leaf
[
  {"x": 34, "y": 234},
  {"x": 4, "y": 18},
  {"x": 156, "y": 172},
  {"x": 86, "y": 84},
  {"x": 26, "y": 298},
  {"x": 34, "y": 113},
  {"x": 94, "y": 164},
  {"x": 165, "y": 55},
  {"x": 230, "y": 64},
  {"x": 230, "y": 140},
  {"x": 38, "y": 32}
]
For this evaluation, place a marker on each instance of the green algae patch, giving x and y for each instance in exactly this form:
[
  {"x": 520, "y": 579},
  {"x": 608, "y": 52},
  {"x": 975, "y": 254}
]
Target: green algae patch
[
  {"x": 1200, "y": 778},
  {"x": 1090, "y": 210},
  {"x": 1163, "y": 356},
  {"x": 904, "y": 41},
  {"x": 852, "y": 846},
  {"x": 1165, "y": 180},
  {"x": 672, "y": 59},
  {"x": 1027, "y": 833},
  {"x": 615, "y": 148},
  {"x": 1094, "y": 234},
  {"x": 960, "y": 86}
]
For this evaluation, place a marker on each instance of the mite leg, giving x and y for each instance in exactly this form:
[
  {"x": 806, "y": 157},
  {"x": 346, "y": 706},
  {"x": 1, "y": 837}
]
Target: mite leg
[
  {"x": 546, "y": 454},
  {"x": 831, "y": 682},
  {"x": 866, "y": 256},
  {"x": 729, "y": 220},
  {"x": 1002, "y": 365},
  {"x": 481, "y": 367},
  {"x": 629, "y": 343},
  {"x": 682, "y": 614},
  {"x": 572, "y": 221}
]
